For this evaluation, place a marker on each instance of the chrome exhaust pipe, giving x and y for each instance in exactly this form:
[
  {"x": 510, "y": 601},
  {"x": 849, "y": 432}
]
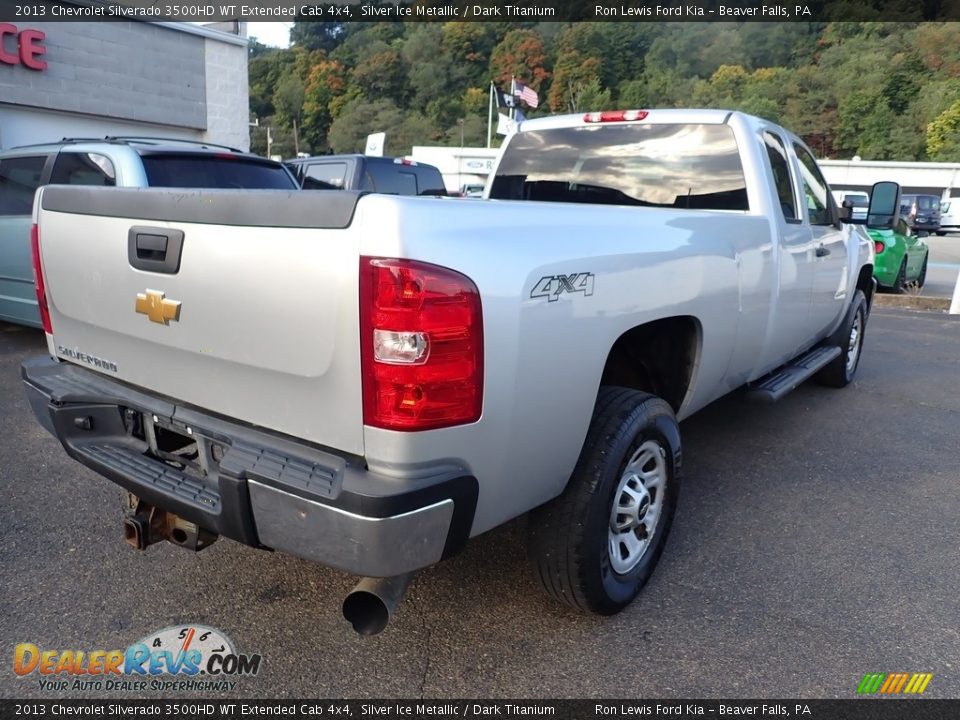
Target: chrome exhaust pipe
[{"x": 371, "y": 604}]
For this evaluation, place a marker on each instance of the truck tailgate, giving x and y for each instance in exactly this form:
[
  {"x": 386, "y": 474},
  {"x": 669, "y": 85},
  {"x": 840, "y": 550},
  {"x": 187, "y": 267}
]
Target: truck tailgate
[{"x": 258, "y": 321}]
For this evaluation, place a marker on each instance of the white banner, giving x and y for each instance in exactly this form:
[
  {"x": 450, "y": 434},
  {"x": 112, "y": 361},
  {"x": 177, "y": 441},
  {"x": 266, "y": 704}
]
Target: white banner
[
  {"x": 375, "y": 142},
  {"x": 505, "y": 125}
]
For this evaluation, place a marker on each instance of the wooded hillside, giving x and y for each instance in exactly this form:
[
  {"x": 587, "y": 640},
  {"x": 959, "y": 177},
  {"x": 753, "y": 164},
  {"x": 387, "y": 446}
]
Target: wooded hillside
[{"x": 883, "y": 91}]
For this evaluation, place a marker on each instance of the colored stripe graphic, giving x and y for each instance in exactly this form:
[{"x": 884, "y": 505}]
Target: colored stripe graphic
[
  {"x": 894, "y": 683},
  {"x": 870, "y": 683}
]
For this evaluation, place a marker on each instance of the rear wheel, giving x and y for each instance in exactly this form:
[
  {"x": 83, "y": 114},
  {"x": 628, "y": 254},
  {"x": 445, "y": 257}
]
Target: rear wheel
[
  {"x": 923, "y": 273},
  {"x": 849, "y": 337},
  {"x": 900, "y": 283},
  {"x": 596, "y": 545}
]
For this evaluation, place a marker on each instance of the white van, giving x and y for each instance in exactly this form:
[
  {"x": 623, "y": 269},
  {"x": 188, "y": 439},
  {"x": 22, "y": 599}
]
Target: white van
[
  {"x": 860, "y": 200},
  {"x": 949, "y": 211}
]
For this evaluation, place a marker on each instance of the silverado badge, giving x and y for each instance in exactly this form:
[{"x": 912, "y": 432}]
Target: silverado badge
[{"x": 157, "y": 308}]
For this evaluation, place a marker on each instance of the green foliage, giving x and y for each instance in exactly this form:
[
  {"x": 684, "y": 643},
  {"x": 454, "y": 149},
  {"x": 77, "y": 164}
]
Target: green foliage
[
  {"x": 324, "y": 36},
  {"x": 943, "y": 135},
  {"x": 882, "y": 90}
]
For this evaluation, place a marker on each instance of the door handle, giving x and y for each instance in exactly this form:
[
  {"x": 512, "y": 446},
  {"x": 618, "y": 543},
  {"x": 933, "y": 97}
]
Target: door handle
[
  {"x": 155, "y": 249},
  {"x": 822, "y": 251}
]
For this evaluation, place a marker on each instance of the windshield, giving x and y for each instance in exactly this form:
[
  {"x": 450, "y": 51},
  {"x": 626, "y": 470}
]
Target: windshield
[
  {"x": 215, "y": 171},
  {"x": 664, "y": 165}
]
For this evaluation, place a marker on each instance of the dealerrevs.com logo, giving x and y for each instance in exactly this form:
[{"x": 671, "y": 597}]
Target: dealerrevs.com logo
[{"x": 178, "y": 658}]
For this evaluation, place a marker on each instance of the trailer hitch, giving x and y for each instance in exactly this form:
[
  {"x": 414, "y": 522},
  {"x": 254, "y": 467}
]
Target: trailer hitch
[{"x": 145, "y": 524}]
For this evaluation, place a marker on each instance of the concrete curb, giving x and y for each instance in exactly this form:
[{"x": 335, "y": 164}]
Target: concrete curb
[{"x": 912, "y": 302}]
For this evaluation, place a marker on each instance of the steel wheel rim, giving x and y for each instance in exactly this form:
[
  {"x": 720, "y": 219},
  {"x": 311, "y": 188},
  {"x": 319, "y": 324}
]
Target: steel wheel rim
[
  {"x": 853, "y": 346},
  {"x": 637, "y": 505}
]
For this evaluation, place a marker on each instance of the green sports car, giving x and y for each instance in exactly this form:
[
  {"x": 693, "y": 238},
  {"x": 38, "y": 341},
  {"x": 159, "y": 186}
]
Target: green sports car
[{"x": 901, "y": 257}]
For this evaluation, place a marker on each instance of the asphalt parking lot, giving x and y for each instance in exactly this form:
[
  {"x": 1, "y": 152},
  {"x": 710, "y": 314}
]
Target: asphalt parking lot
[
  {"x": 816, "y": 540},
  {"x": 944, "y": 264}
]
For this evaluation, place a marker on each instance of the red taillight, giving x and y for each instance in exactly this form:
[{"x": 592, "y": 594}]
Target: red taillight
[
  {"x": 878, "y": 247},
  {"x": 38, "y": 279},
  {"x": 615, "y": 116},
  {"x": 421, "y": 345}
]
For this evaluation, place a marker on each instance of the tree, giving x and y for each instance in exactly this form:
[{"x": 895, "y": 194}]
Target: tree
[
  {"x": 326, "y": 83},
  {"x": 434, "y": 79},
  {"x": 589, "y": 97},
  {"x": 520, "y": 54},
  {"x": 382, "y": 75},
  {"x": 312, "y": 35},
  {"x": 943, "y": 135},
  {"x": 359, "y": 118},
  {"x": 288, "y": 100},
  {"x": 264, "y": 72},
  {"x": 468, "y": 46}
]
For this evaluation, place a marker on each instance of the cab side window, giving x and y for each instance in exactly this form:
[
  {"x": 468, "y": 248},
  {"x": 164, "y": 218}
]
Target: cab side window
[
  {"x": 816, "y": 192},
  {"x": 777, "y": 155},
  {"x": 78, "y": 168},
  {"x": 19, "y": 180}
]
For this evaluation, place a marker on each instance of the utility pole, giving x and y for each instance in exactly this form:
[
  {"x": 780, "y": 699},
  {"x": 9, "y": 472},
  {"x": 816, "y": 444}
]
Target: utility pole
[{"x": 460, "y": 158}]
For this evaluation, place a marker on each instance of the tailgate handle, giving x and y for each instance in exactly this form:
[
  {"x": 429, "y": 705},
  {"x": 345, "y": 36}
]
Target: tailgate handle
[{"x": 155, "y": 249}]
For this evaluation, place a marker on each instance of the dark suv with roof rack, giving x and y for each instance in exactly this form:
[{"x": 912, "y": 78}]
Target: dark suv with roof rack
[
  {"x": 385, "y": 175},
  {"x": 113, "y": 161}
]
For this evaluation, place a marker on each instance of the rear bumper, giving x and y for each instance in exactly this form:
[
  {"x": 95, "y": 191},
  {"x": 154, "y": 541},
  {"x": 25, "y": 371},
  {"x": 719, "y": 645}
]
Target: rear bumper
[{"x": 254, "y": 486}]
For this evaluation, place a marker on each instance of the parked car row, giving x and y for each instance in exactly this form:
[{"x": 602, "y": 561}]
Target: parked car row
[
  {"x": 137, "y": 162},
  {"x": 901, "y": 252}
]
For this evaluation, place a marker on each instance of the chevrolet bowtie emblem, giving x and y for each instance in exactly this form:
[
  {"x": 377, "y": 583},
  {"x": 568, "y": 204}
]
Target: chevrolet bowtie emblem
[{"x": 157, "y": 308}]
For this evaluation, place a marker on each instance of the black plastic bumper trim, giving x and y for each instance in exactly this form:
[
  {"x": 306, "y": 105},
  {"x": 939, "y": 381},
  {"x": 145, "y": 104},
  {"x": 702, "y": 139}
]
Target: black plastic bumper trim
[{"x": 61, "y": 392}]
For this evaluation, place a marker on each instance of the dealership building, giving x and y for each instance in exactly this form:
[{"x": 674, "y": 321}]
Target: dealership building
[{"x": 93, "y": 79}]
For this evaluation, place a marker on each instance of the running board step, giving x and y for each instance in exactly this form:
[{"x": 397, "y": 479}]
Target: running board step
[{"x": 773, "y": 387}]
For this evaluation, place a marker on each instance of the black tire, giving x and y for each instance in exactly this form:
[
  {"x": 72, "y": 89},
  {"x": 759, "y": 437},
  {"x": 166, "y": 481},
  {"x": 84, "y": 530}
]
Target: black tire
[
  {"x": 570, "y": 537},
  {"x": 840, "y": 372},
  {"x": 923, "y": 273},
  {"x": 941, "y": 233},
  {"x": 900, "y": 283}
]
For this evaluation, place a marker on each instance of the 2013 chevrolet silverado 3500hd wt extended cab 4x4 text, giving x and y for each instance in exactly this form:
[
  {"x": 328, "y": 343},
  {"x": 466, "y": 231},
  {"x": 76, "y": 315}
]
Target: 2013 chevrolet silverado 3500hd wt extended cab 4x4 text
[{"x": 368, "y": 380}]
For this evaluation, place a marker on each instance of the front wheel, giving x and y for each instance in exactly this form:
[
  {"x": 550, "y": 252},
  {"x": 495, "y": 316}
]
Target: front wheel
[
  {"x": 596, "y": 545},
  {"x": 849, "y": 336},
  {"x": 923, "y": 273}
]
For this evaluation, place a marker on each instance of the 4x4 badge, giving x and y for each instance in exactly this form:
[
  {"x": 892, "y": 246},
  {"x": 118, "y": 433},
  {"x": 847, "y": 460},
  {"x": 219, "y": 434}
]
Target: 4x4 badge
[{"x": 157, "y": 308}]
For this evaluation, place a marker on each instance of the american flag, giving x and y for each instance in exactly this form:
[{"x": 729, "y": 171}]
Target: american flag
[{"x": 528, "y": 95}]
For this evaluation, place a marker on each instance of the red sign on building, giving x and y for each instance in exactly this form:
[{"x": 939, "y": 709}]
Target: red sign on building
[{"x": 26, "y": 48}]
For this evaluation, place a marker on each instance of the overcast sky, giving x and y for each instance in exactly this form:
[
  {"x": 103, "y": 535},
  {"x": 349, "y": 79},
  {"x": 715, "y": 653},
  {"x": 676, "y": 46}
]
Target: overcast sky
[{"x": 270, "y": 33}]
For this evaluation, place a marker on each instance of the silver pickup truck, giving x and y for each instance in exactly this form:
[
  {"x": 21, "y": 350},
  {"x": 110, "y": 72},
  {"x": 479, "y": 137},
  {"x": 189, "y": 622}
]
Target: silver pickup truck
[{"x": 368, "y": 380}]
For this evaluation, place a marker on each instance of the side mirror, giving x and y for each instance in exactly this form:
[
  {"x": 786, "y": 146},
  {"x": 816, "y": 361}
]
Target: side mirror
[
  {"x": 845, "y": 211},
  {"x": 884, "y": 205}
]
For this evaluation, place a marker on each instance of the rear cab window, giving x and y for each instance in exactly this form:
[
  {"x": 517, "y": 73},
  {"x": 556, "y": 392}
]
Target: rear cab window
[
  {"x": 389, "y": 178},
  {"x": 676, "y": 165},
  {"x": 214, "y": 170}
]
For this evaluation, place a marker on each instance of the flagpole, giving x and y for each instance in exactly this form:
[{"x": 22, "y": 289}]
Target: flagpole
[
  {"x": 513, "y": 95},
  {"x": 490, "y": 116}
]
